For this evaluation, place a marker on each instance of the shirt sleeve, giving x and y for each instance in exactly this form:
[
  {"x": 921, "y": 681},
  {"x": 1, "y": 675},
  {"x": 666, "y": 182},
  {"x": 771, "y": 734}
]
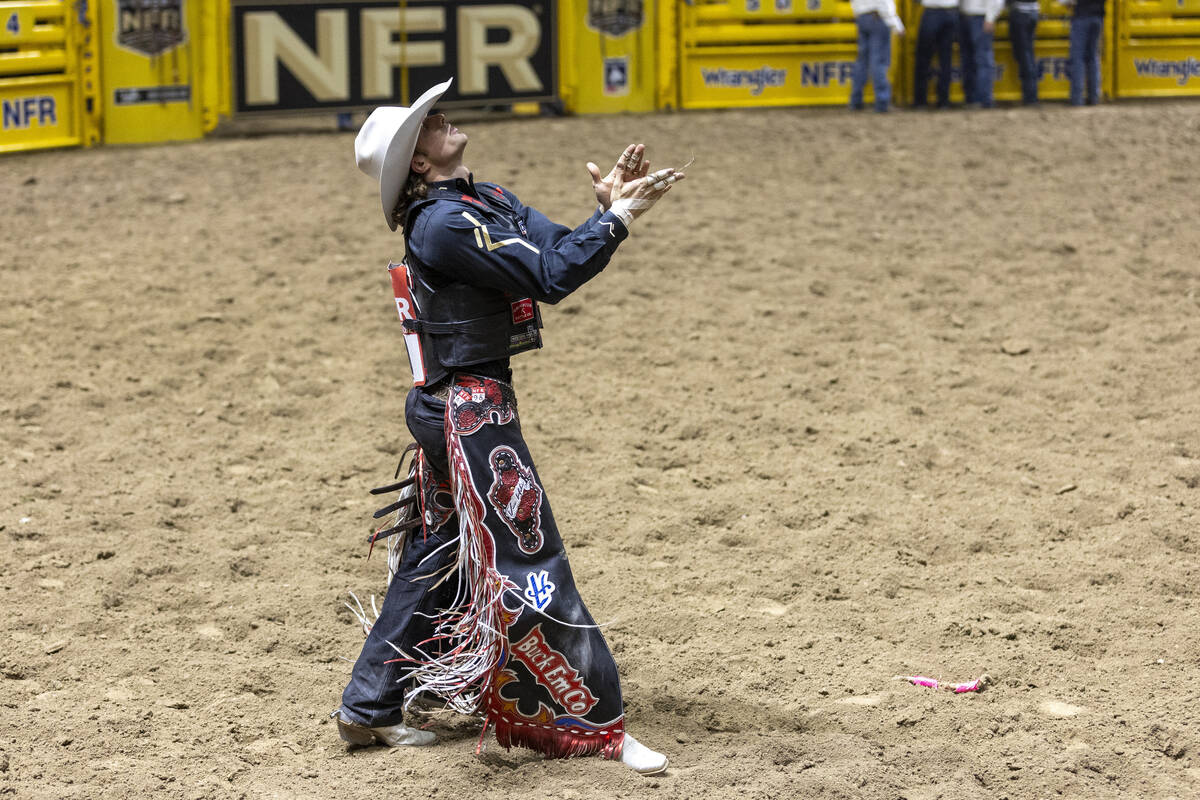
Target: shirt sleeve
[
  {"x": 547, "y": 265},
  {"x": 890, "y": 17},
  {"x": 994, "y": 8},
  {"x": 542, "y": 230}
]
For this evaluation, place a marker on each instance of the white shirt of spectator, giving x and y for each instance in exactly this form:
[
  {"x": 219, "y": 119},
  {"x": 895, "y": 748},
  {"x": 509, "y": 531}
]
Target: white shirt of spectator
[
  {"x": 886, "y": 9},
  {"x": 990, "y": 9}
]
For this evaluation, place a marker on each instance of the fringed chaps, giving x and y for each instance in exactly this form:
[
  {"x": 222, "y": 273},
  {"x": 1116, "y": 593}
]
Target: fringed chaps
[{"x": 518, "y": 644}]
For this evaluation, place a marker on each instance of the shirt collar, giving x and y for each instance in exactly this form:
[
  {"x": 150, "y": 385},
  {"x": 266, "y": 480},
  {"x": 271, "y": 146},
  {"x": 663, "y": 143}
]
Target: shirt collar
[{"x": 465, "y": 185}]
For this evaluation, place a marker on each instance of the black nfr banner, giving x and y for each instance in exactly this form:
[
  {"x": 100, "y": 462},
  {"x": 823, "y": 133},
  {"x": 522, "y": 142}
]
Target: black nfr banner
[{"x": 341, "y": 56}]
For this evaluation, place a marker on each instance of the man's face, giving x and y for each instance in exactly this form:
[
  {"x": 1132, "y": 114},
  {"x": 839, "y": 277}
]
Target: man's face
[{"x": 439, "y": 142}]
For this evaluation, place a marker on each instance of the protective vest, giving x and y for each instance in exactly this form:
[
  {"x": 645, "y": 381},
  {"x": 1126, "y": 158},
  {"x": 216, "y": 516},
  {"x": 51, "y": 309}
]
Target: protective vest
[{"x": 453, "y": 325}]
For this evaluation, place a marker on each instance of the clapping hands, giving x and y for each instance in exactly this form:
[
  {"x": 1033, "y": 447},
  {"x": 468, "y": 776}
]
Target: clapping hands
[{"x": 629, "y": 185}]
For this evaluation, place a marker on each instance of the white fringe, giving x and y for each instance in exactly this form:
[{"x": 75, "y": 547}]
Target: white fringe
[{"x": 471, "y": 627}]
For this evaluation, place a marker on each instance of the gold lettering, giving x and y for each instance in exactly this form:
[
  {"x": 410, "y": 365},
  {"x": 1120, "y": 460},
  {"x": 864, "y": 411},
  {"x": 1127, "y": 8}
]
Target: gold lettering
[
  {"x": 381, "y": 52},
  {"x": 476, "y": 54},
  {"x": 270, "y": 42}
]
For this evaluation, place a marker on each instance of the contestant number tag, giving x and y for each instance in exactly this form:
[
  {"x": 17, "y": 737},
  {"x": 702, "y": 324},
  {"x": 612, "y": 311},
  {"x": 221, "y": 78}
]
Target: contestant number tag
[{"x": 408, "y": 310}]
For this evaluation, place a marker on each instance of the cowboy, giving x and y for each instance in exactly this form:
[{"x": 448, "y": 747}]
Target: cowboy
[
  {"x": 482, "y": 614},
  {"x": 935, "y": 36},
  {"x": 977, "y": 27},
  {"x": 876, "y": 21}
]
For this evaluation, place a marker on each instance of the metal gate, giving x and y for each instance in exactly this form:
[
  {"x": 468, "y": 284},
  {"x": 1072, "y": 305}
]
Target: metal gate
[
  {"x": 1158, "y": 48},
  {"x": 1051, "y": 48},
  {"x": 767, "y": 53},
  {"x": 48, "y": 80}
]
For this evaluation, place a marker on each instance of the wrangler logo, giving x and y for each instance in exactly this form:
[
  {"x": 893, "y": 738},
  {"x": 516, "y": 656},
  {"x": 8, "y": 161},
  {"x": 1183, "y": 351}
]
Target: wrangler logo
[{"x": 484, "y": 239}]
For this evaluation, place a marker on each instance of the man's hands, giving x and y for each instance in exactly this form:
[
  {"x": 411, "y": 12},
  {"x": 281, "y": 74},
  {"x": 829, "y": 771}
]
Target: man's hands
[
  {"x": 630, "y": 166},
  {"x": 630, "y": 189}
]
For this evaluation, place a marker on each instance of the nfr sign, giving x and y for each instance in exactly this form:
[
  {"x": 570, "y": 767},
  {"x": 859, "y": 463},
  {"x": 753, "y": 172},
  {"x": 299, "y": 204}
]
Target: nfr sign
[
  {"x": 21, "y": 112},
  {"x": 291, "y": 56},
  {"x": 826, "y": 73}
]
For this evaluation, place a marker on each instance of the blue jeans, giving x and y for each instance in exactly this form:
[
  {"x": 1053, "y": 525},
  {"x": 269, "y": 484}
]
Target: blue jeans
[
  {"x": 374, "y": 696},
  {"x": 935, "y": 36},
  {"x": 874, "y": 58},
  {"x": 966, "y": 59},
  {"x": 978, "y": 61},
  {"x": 1083, "y": 63},
  {"x": 1021, "y": 29}
]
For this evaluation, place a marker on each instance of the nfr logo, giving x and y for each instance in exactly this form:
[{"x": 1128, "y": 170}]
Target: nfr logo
[
  {"x": 22, "y": 112},
  {"x": 1055, "y": 67},
  {"x": 824, "y": 73}
]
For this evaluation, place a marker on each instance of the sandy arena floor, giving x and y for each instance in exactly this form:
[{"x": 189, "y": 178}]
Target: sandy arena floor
[{"x": 865, "y": 396}]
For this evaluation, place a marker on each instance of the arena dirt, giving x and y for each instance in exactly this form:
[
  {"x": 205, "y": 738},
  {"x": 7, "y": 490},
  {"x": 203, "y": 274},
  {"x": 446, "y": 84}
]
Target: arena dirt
[{"x": 866, "y": 396}]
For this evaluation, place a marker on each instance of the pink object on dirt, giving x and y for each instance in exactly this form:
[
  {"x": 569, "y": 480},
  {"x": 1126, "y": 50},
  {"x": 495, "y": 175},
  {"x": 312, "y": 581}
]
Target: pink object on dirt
[
  {"x": 919, "y": 680},
  {"x": 932, "y": 683}
]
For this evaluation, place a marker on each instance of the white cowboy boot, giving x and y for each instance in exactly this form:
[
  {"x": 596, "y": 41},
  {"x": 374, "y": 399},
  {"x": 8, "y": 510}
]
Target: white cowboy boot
[
  {"x": 399, "y": 735},
  {"x": 642, "y": 759}
]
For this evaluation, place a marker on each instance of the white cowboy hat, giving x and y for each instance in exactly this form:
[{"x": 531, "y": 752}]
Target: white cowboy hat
[{"x": 384, "y": 146}]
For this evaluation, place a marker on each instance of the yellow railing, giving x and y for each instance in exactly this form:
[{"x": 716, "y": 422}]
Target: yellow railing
[
  {"x": 1157, "y": 50},
  {"x": 48, "y": 77},
  {"x": 750, "y": 54}
]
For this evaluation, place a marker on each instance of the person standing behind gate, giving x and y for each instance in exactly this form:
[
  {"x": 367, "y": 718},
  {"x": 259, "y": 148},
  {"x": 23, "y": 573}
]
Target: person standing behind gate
[
  {"x": 876, "y": 20},
  {"x": 1022, "y": 25},
  {"x": 1083, "y": 62},
  {"x": 978, "y": 24},
  {"x": 935, "y": 35}
]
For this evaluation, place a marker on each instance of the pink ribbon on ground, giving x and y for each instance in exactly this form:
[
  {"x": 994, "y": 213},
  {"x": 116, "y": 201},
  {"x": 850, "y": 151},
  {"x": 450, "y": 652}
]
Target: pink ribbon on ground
[{"x": 932, "y": 683}]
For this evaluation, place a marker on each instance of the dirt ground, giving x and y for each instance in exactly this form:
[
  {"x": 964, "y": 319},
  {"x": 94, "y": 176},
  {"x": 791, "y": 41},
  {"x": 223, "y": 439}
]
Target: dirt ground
[{"x": 866, "y": 396}]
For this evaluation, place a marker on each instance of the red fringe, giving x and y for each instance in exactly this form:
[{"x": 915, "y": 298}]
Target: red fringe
[{"x": 558, "y": 742}]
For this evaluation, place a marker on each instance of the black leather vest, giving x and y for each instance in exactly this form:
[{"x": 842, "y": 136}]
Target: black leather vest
[{"x": 462, "y": 325}]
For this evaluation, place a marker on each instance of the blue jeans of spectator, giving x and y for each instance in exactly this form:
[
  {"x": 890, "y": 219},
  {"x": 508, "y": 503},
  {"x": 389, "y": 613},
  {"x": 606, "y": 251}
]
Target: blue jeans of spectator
[
  {"x": 935, "y": 36},
  {"x": 979, "y": 78},
  {"x": 1021, "y": 30},
  {"x": 1083, "y": 62},
  {"x": 966, "y": 59},
  {"x": 874, "y": 59}
]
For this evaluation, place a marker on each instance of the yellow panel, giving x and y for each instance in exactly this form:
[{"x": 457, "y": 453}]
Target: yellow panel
[
  {"x": 777, "y": 76},
  {"x": 215, "y": 91},
  {"x": 768, "y": 11},
  {"x": 1048, "y": 29},
  {"x": 1050, "y": 48},
  {"x": 1051, "y": 57},
  {"x": 1158, "y": 68},
  {"x": 770, "y": 34},
  {"x": 1054, "y": 8},
  {"x": 156, "y": 96},
  {"x": 1162, "y": 8},
  {"x": 28, "y": 62},
  {"x": 1162, "y": 26},
  {"x": 37, "y": 112},
  {"x": 46, "y": 66},
  {"x": 33, "y": 38},
  {"x": 605, "y": 73},
  {"x": 667, "y": 52},
  {"x": 31, "y": 23}
]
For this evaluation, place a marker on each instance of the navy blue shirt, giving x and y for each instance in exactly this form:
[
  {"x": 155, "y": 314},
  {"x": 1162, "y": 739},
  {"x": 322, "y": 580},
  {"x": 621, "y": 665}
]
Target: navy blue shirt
[{"x": 484, "y": 236}]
